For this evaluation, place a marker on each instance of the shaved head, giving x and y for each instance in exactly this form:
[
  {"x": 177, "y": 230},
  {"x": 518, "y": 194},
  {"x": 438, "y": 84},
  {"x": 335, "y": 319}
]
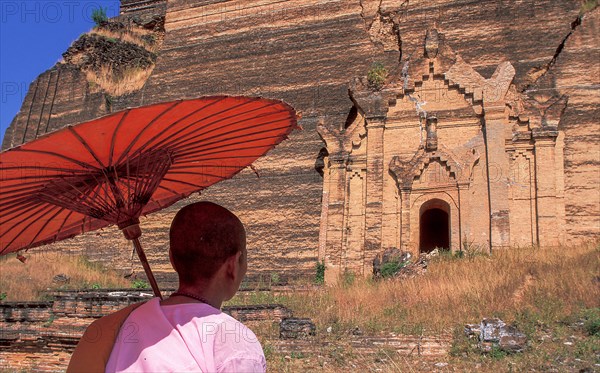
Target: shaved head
[{"x": 203, "y": 236}]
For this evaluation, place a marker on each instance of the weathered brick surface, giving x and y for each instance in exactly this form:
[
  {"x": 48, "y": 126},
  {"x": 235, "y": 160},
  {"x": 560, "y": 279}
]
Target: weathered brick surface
[{"x": 307, "y": 53}]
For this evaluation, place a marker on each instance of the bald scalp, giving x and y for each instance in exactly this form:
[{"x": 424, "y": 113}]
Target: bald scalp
[{"x": 202, "y": 237}]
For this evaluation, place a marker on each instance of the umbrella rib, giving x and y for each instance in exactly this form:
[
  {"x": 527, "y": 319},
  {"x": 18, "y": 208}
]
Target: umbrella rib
[
  {"x": 19, "y": 188},
  {"x": 65, "y": 221},
  {"x": 13, "y": 207},
  {"x": 58, "y": 155},
  {"x": 157, "y": 202},
  {"x": 197, "y": 173},
  {"x": 136, "y": 184},
  {"x": 221, "y": 140},
  {"x": 141, "y": 186},
  {"x": 140, "y": 133},
  {"x": 128, "y": 175},
  {"x": 176, "y": 137},
  {"x": 175, "y": 141},
  {"x": 157, "y": 172},
  {"x": 184, "y": 182},
  {"x": 183, "y": 145},
  {"x": 28, "y": 167},
  {"x": 8, "y": 208},
  {"x": 180, "y": 165},
  {"x": 104, "y": 201},
  {"x": 62, "y": 224},
  {"x": 42, "y": 208},
  {"x": 117, "y": 180},
  {"x": 233, "y": 157},
  {"x": 161, "y": 172},
  {"x": 143, "y": 147},
  {"x": 47, "y": 178},
  {"x": 76, "y": 193},
  {"x": 86, "y": 145},
  {"x": 167, "y": 189},
  {"x": 60, "y": 209},
  {"x": 114, "y": 137},
  {"x": 204, "y": 151},
  {"x": 229, "y": 124}
]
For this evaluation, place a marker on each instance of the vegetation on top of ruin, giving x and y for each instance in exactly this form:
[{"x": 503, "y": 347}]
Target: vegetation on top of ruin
[
  {"x": 376, "y": 76},
  {"x": 117, "y": 57},
  {"x": 588, "y": 6},
  {"x": 99, "y": 16}
]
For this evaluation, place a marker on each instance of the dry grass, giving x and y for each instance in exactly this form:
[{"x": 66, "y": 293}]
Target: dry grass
[
  {"x": 27, "y": 281},
  {"x": 130, "y": 35},
  {"x": 130, "y": 80},
  {"x": 550, "y": 283},
  {"x": 544, "y": 292}
]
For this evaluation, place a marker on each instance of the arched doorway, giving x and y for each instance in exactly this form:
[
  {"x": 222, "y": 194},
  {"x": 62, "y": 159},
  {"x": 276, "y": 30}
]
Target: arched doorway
[{"x": 434, "y": 226}]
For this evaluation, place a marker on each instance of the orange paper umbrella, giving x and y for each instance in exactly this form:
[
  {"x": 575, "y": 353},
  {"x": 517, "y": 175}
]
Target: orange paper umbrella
[{"x": 113, "y": 169}]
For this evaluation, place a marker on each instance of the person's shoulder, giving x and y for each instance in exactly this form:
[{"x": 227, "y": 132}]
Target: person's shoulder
[
  {"x": 237, "y": 349},
  {"x": 234, "y": 333}
]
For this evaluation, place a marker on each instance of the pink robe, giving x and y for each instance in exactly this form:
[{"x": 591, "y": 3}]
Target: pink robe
[{"x": 190, "y": 337}]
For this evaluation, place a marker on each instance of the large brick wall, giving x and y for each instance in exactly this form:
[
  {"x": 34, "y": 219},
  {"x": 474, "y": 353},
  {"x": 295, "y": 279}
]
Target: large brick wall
[{"x": 306, "y": 53}]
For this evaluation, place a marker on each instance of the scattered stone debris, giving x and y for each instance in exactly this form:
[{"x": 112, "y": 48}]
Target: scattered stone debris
[
  {"x": 495, "y": 333},
  {"x": 296, "y": 328},
  {"x": 400, "y": 264},
  {"x": 356, "y": 331},
  {"x": 61, "y": 279}
]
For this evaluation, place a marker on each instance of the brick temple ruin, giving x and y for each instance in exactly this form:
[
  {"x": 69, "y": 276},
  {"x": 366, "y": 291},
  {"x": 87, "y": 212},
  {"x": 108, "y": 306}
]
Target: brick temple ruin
[
  {"x": 443, "y": 159},
  {"x": 484, "y": 133}
]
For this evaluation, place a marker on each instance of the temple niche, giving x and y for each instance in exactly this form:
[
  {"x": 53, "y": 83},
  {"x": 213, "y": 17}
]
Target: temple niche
[{"x": 440, "y": 157}]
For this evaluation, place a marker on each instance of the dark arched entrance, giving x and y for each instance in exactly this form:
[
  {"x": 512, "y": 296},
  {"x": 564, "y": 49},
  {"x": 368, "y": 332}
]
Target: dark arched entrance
[{"x": 434, "y": 226}]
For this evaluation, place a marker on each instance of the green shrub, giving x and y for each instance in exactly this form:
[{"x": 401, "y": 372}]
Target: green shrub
[
  {"x": 2, "y": 296},
  {"x": 588, "y": 6},
  {"x": 391, "y": 268},
  {"x": 320, "y": 273},
  {"x": 497, "y": 353},
  {"x": 376, "y": 76},
  {"x": 275, "y": 278},
  {"x": 50, "y": 321},
  {"x": 591, "y": 322},
  {"x": 99, "y": 16},
  {"x": 348, "y": 278},
  {"x": 140, "y": 284}
]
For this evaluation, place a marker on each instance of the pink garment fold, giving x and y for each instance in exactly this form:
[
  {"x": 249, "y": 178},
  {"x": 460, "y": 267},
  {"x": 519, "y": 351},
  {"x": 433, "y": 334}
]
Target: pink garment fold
[{"x": 190, "y": 337}]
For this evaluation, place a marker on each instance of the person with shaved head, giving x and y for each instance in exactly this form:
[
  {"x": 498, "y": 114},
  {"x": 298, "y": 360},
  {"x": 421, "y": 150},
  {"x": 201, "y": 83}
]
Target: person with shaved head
[{"x": 186, "y": 332}]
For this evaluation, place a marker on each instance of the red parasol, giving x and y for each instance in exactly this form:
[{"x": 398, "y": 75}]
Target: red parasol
[{"x": 113, "y": 169}]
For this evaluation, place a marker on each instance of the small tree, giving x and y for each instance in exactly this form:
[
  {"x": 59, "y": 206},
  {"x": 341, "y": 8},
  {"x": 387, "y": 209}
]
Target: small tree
[
  {"x": 99, "y": 16},
  {"x": 376, "y": 76}
]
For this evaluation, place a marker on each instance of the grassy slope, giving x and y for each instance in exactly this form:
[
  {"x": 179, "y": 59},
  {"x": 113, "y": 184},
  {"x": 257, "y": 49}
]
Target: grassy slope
[
  {"x": 547, "y": 293},
  {"x": 551, "y": 294}
]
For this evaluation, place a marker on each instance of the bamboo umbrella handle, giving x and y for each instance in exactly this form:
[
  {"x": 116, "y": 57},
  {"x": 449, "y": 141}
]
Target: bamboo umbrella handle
[{"x": 149, "y": 274}]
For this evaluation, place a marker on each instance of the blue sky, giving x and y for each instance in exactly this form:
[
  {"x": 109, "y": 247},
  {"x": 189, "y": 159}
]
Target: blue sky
[{"x": 33, "y": 36}]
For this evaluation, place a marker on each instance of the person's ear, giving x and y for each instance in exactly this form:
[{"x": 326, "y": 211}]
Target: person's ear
[{"x": 233, "y": 263}]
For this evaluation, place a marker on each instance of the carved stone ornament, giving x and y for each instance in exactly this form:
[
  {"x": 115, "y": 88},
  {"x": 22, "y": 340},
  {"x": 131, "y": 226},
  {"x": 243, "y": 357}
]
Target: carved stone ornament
[{"x": 432, "y": 43}]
